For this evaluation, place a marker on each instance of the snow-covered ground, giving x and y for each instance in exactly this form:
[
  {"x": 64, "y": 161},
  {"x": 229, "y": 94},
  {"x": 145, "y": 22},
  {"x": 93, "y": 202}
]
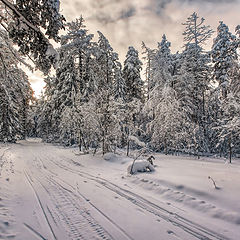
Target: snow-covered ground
[{"x": 49, "y": 192}]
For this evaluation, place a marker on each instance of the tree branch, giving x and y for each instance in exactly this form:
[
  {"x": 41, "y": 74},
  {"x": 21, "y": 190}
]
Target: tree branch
[{"x": 22, "y": 18}]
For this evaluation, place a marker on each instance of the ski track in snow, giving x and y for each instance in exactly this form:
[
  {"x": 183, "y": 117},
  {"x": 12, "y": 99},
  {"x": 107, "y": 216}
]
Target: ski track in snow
[{"x": 68, "y": 213}]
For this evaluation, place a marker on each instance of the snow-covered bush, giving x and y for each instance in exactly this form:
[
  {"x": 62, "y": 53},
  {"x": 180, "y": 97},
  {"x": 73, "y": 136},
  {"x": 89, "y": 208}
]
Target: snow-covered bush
[{"x": 140, "y": 166}]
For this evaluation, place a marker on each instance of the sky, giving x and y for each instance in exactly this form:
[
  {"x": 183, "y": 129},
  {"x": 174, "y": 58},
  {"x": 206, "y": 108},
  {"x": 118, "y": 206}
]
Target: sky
[{"x": 129, "y": 22}]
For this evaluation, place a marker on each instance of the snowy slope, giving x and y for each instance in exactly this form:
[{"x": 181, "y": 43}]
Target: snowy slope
[{"x": 48, "y": 192}]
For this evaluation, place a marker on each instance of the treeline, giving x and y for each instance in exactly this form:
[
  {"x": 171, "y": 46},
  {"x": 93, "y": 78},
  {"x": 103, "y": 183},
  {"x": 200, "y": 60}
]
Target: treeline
[{"x": 188, "y": 101}]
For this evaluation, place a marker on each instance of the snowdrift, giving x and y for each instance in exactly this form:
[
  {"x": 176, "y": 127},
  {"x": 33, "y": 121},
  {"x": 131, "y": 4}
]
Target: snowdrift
[{"x": 140, "y": 166}]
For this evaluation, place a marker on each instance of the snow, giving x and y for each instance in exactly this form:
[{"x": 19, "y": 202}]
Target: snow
[
  {"x": 137, "y": 141},
  {"x": 140, "y": 166},
  {"x": 111, "y": 157},
  {"x": 49, "y": 192}
]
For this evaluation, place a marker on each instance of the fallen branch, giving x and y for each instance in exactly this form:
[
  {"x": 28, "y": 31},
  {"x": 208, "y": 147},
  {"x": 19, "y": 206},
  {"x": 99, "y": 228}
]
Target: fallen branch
[{"x": 214, "y": 183}]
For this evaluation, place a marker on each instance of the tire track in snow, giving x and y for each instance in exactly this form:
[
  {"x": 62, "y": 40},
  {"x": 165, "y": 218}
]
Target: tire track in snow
[
  {"x": 95, "y": 207},
  {"x": 78, "y": 194},
  {"x": 73, "y": 217},
  {"x": 108, "y": 218},
  {"x": 40, "y": 204},
  {"x": 34, "y": 231},
  {"x": 188, "y": 226},
  {"x": 81, "y": 223}
]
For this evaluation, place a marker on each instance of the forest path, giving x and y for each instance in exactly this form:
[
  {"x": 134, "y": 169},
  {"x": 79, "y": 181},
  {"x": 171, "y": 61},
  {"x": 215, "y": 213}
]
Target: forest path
[{"x": 47, "y": 194}]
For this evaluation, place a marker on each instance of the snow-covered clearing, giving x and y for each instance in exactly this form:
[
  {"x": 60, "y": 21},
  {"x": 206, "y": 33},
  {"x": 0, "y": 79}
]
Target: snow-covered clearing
[{"x": 48, "y": 192}]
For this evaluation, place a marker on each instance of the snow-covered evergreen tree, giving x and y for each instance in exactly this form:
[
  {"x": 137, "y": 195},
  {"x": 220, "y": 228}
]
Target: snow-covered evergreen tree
[
  {"x": 224, "y": 57},
  {"x": 229, "y": 125},
  {"x": 163, "y": 71},
  {"x": 15, "y": 93},
  {"x": 131, "y": 74},
  {"x": 196, "y": 63},
  {"x": 196, "y": 31},
  {"x": 74, "y": 79},
  {"x": 119, "y": 85},
  {"x": 193, "y": 83},
  {"x": 162, "y": 65},
  {"x": 107, "y": 71},
  {"x": 78, "y": 44},
  {"x": 148, "y": 56},
  {"x": 226, "y": 73}
]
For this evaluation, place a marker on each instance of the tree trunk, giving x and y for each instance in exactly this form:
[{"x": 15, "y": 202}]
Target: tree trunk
[
  {"x": 230, "y": 148},
  {"x": 103, "y": 144},
  {"x": 128, "y": 147},
  {"x": 79, "y": 141}
]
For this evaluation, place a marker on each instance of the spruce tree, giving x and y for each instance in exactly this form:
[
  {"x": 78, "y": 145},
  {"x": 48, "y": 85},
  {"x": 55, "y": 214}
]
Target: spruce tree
[
  {"x": 15, "y": 93},
  {"x": 131, "y": 74},
  {"x": 224, "y": 57},
  {"x": 107, "y": 72},
  {"x": 194, "y": 80},
  {"x": 162, "y": 65}
]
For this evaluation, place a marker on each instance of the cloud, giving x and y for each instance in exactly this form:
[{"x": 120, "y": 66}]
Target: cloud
[
  {"x": 212, "y": 1},
  {"x": 105, "y": 17},
  {"x": 127, "y": 13},
  {"x": 159, "y": 7},
  {"x": 127, "y": 22}
]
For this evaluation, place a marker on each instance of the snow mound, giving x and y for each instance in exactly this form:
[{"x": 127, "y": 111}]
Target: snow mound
[
  {"x": 78, "y": 153},
  {"x": 34, "y": 140},
  {"x": 140, "y": 166},
  {"x": 111, "y": 157}
]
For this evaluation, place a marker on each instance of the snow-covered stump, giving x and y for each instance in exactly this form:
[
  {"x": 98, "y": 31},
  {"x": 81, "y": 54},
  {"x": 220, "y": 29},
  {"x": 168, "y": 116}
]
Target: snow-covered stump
[{"x": 140, "y": 166}]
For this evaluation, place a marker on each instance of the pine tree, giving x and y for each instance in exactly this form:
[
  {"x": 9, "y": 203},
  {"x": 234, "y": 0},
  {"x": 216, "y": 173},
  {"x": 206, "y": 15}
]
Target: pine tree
[
  {"x": 196, "y": 62},
  {"x": 78, "y": 44},
  {"x": 229, "y": 125},
  {"x": 162, "y": 65},
  {"x": 227, "y": 70},
  {"x": 119, "y": 85},
  {"x": 148, "y": 56},
  {"x": 224, "y": 57},
  {"x": 107, "y": 71},
  {"x": 45, "y": 123},
  {"x": 131, "y": 74},
  {"x": 196, "y": 31},
  {"x": 15, "y": 93},
  {"x": 193, "y": 82},
  {"x": 71, "y": 86}
]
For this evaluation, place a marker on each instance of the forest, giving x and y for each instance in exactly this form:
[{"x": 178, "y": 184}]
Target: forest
[{"x": 186, "y": 102}]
